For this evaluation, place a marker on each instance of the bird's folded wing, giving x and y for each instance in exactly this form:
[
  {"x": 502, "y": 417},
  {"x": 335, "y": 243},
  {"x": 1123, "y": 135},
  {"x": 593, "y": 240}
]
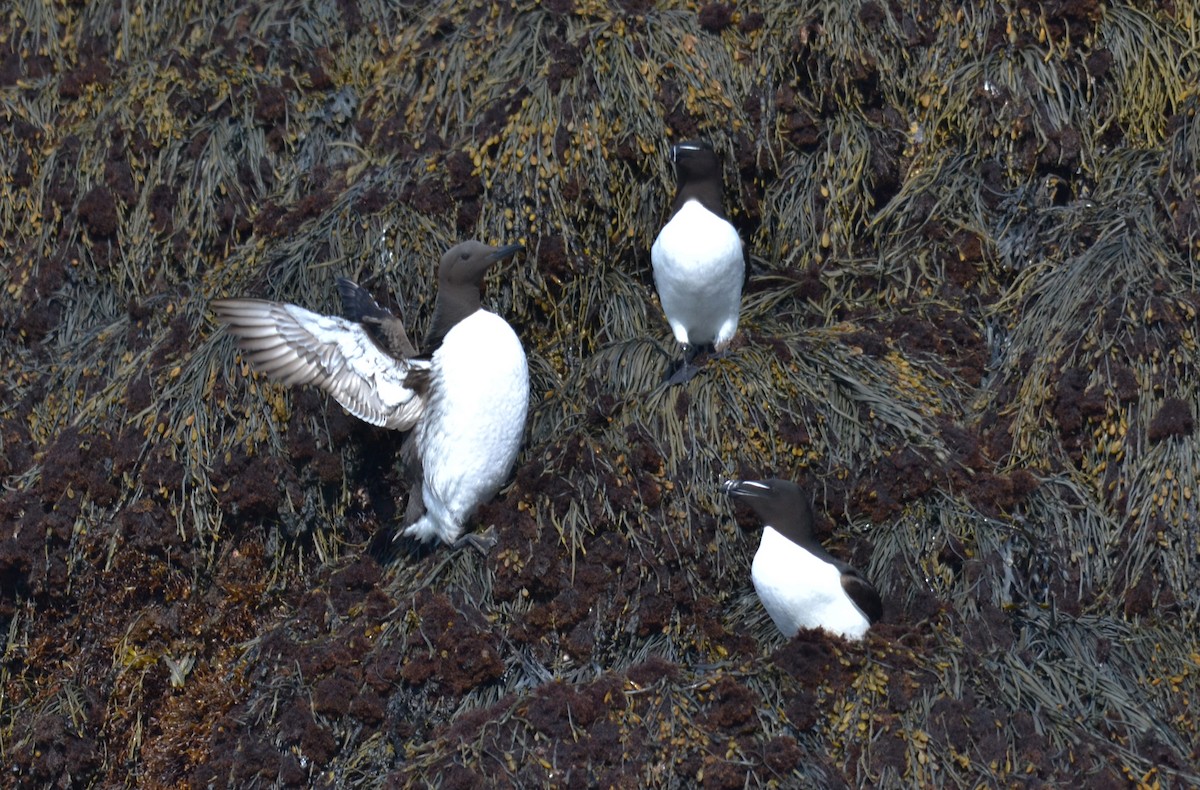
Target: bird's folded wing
[
  {"x": 862, "y": 593},
  {"x": 296, "y": 346}
]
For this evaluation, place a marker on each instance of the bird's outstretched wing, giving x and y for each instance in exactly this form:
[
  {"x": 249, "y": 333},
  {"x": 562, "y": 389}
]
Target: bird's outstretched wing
[
  {"x": 297, "y": 346},
  {"x": 385, "y": 328}
]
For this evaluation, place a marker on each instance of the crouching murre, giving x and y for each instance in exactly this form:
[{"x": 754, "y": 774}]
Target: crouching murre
[
  {"x": 799, "y": 583},
  {"x": 464, "y": 397},
  {"x": 698, "y": 259}
]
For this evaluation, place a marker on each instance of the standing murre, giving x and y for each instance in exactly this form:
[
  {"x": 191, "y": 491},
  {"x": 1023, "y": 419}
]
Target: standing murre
[
  {"x": 698, "y": 259},
  {"x": 465, "y": 396},
  {"x": 799, "y": 583}
]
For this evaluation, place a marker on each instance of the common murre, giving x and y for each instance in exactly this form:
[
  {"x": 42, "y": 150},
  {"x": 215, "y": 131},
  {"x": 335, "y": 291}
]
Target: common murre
[
  {"x": 465, "y": 395},
  {"x": 698, "y": 259},
  {"x": 799, "y": 583}
]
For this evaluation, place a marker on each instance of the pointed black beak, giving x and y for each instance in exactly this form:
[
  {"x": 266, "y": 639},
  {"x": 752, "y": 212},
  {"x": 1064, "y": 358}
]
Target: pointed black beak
[
  {"x": 688, "y": 145},
  {"x": 505, "y": 252},
  {"x": 744, "y": 488}
]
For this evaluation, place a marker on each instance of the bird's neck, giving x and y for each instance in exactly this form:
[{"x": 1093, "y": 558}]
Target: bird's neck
[
  {"x": 452, "y": 306},
  {"x": 707, "y": 193}
]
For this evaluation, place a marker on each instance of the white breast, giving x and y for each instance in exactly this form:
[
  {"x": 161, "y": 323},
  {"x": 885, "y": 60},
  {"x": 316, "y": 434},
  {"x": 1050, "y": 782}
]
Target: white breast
[
  {"x": 799, "y": 590},
  {"x": 474, "y": 421},
  {"x": 698, "y": 270}
]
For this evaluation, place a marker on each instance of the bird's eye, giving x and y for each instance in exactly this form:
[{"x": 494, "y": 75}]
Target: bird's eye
[{"x": 465, "y": 256}]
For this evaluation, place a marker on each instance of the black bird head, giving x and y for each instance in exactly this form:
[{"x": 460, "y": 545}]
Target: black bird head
[
  {"x": 698, "y": 176},
  {"x": 779, "y": 503},
  {"x": 460, "y": 278},
  {"x": 465, "y": 264},
  {"x": 694, "y": 160}
]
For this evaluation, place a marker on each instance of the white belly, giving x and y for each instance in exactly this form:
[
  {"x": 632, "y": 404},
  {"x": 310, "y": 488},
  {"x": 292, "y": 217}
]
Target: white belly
[
  {"x": 698, "y": 270},
  {"x": 474, "y": 423},
  {"x": 800, "y": 591}
]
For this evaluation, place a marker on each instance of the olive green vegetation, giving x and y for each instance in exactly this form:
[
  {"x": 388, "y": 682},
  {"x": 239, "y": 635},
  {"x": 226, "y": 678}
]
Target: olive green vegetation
[{"x": 970, "y": 329}]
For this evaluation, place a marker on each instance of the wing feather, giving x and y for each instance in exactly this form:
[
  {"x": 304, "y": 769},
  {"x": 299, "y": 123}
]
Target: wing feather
[
  {"x": 297, "y": 346},
  {"x": 862, "y": 593}
]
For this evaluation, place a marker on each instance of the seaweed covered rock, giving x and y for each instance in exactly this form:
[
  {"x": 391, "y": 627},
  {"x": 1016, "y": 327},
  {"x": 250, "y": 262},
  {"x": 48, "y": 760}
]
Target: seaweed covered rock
[{"x": 969, "y": 329}]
